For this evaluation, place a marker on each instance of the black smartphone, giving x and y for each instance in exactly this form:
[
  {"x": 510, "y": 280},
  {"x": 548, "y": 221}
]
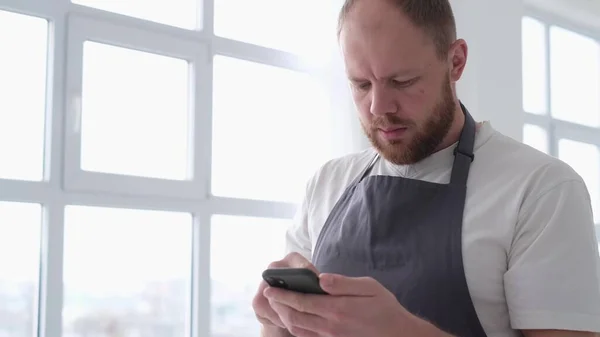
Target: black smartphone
[{"x": 296, "y": 279}]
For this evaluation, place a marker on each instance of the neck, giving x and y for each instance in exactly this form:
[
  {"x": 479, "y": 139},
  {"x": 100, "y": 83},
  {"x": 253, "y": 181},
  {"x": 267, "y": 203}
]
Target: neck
[{"x": 453, "y": 134}]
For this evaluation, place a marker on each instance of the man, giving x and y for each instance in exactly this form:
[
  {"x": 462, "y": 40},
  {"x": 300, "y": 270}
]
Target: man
[{"x": 446, "y": 227}]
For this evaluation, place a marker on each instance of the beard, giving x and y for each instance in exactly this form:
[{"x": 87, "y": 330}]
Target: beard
[{"x": 426, "y": 139}]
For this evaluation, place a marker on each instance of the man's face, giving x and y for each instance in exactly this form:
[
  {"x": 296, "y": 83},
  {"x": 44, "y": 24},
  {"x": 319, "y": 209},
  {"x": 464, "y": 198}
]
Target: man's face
[{"x": 401, "y": 88}]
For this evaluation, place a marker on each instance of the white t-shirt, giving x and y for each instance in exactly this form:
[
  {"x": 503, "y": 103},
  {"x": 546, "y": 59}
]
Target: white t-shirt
[{"x": 529, "y": 246}]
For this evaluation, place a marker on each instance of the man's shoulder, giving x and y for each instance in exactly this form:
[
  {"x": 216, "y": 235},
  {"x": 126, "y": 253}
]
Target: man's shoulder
[{"x": 503, "y": 156}]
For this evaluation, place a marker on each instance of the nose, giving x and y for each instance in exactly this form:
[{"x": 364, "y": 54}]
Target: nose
[{"x": 382, "y": 101}]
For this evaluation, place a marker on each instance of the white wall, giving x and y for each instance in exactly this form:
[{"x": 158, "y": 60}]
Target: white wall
[
  {"x": 491, "y": 87},
  {"x": 346, "y": 132}
]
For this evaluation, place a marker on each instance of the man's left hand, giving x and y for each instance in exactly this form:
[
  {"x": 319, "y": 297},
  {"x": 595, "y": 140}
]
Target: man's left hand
[{"x": 355, "y": 307}]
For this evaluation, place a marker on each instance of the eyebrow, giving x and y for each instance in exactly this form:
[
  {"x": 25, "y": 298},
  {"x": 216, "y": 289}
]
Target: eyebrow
[{"x": 403, "y": 73}]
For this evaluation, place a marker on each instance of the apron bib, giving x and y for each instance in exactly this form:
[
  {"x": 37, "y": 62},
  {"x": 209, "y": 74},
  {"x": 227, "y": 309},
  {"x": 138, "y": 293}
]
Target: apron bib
[{"x": 407, "y": 234}]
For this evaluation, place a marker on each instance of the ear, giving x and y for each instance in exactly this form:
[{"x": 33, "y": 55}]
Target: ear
[{"x": 457, "y": 59}]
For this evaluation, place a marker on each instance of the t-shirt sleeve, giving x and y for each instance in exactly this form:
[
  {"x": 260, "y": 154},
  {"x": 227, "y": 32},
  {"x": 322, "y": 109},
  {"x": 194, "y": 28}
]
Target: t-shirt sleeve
[
  {"x": 553, "y": 276},
  {"x": 297, "y": 237}
]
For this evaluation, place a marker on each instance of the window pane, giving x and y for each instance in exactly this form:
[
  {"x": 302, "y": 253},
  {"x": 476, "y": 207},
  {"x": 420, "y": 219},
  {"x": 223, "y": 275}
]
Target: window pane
[
  {"x": 534, "y": 66},
  {"x": 575, "y": 69},
  {"x": 536, "y": 137},
  {"x": 278, "y": 24},
  {"x": 20, "y": 226},
  {"x": 585, "y": 159},
  {"x": 126, "y": 272},
  {"x": 262, "y": 241},
  {"x": 23, "y": 46},
  {"x": 178, "y": 13},
  {"x": 271, "y": 136},
  {"x": 134, "y": 113}
]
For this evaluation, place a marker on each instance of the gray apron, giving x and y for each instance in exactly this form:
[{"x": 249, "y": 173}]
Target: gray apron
[{"x": 407, "y": 234}]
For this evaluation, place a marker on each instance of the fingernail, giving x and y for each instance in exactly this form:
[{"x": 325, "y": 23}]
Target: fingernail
[{"x": 267, "y": 292}]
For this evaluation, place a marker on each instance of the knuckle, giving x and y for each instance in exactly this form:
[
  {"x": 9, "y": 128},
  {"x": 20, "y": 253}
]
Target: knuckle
[
  {"x": 263, "y": 320},
  {"x": 298, "y": 304},
  {"x": 294, "y": 330},
  {"x": 293, "y": 319},
  {"x": 293, "y": 255},
  {"x": 260, "y": 303},
  {"x": 257, "y": 303},
  {"x": 277, "y": 264},
  {"x": 370, "y": 279},
  {"x": 295, "y": 258}
]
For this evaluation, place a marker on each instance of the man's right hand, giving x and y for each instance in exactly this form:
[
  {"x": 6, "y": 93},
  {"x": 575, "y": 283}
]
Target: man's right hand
[{"x": 272, "y": 325}]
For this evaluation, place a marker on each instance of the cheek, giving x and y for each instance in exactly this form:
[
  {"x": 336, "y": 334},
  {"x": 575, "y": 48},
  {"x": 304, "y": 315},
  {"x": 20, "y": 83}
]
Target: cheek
[
  {"x": 362, "y": 102},
  {"x": 364, "y": 112},
  {"x": 417, "y": 101}
]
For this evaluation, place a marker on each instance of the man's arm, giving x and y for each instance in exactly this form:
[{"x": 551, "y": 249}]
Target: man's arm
[
  {"x": 558, "y": 333},
  {"x": 553, "y": 281},
  {"x": 428, "y": 330},
  {"x": 552, "y": 284},
  {"x": 297, "y": 240}
]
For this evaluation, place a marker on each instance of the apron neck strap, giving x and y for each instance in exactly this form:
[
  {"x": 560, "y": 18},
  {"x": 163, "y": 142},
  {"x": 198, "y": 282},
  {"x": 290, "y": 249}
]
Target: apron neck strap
[{"x": 463, "y": 153}]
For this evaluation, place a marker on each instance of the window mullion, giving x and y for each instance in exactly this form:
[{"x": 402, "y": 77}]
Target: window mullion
[{"x": 553, "y": 142}]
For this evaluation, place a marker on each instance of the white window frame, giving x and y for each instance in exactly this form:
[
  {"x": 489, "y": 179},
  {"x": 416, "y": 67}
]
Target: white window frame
[
  {"x": 90, "y": 29},
  {"x": 66, "y": 184},
  {"x": 558, "y": 129}
]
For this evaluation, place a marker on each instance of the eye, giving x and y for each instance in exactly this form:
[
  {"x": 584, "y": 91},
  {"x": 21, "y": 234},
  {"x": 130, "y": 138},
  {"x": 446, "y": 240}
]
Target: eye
[
  {"x": 362, "y": 86},
  {"x": 404, "y": 84}
]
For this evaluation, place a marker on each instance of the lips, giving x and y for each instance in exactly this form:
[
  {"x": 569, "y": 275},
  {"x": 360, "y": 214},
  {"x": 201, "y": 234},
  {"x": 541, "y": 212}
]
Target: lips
[
  {"x": 393, "y": 134},
  {"x": 387, "y": 130}
]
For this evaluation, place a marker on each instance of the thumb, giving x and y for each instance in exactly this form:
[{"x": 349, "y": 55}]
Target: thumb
[{"x": 335, "y": 284}]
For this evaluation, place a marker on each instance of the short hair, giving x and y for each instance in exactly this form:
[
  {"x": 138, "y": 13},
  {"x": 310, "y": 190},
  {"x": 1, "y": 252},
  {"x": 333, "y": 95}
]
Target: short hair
[{"x": 435, "y": 17}]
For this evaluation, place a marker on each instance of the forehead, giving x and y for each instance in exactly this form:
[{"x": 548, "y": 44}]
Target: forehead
[{"x": 378, "y": 39}]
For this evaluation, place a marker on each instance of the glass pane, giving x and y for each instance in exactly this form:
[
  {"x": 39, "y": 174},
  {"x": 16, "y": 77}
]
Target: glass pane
[
  {"x": 536, "y": 137},
  {"x": 126, "y": 272},
  {"x": 178, "y": 13},
  {"x": 24, "y": 49},
  {"x": 262, "y": 241},
  {"x": 278, "y": 24},
  {"x": 134, "y": 113},
  {"x": 20, "y": 226},
  {"x": 272, "y": 136},
  {"x": 575, "y": 69},
  {"x": 585, "y": 159},
  {"x": 534, "y": 66}
]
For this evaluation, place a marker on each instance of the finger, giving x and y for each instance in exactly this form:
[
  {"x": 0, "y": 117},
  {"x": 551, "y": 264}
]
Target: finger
[
  {"x": 340, "y": 285},
  {"x": 264, "y": 312},
  {"x": 270, "y": 317},
  {"x": 300, "y": 324},
  {"x": 273, "y": 321},
  {"x": 319, "y": 305}
]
